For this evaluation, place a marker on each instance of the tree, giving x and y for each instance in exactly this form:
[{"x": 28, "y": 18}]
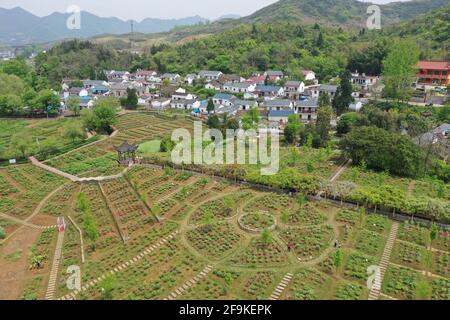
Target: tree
[
  {"x": 208, "y": 220},
  {"x": 399, "y": 70},
  {"x": 89, "y": 224},
  {"x": 22, "y": 142},
  {"x": 343, "y": 96},
  {"x": 251, "y": 119},
  {"x": 433, "y": 233},
  {"x": 337, "y": 259},
  {"x": 73, "y": 104},
  {"x": 266, "y": 237},
  {"x": 324, "y": 115},
  {"x": 107, "y": 287},
  {"x": 213, "y": 122},
  {"x": 102, "y": 116},
  {"x": 74, "y": 132},
  {"x": 210, "y": 107},
  {"x": 292, "y": 129},
  {"x": 382, "y": 150},
  {"x": 347, "y": 122},
  {"x": 131, "y": 101},
  {"x": 167, "y": 144},
  {"x": 48, "y": 102}
]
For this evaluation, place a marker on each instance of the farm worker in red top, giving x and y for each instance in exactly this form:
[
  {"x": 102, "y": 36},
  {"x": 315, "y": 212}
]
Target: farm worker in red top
[{"x": 289, "y": 246}]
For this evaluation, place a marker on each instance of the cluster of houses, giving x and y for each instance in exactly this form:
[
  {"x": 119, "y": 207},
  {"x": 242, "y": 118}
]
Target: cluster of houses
[{"x": 270, "y": 91}]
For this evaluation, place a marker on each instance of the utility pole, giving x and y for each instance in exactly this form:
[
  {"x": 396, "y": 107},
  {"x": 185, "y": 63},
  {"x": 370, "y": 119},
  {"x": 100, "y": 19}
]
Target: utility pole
[{"x": 132, "y": 34}]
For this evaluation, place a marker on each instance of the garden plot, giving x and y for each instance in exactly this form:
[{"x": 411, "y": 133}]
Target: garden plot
[
  {"x": 215, "y": 240},
  {"x": 129, "y": 211},
  {"x": 308, "y": 214},
  {"x": 39, "y": 130},
  {"x": 221, "y": 208},
  {"x": 153, "y": 277},
  {"x": 400, "y": 282},
  {"x": 25, "y": 187},
  {"x": 270, "y": 202},
  {"x": 259, "y": 254},
  {"x": 39, "y": 265},
  {"x": 308, "y": 284},
  {"x": 8, "y": 226},
  {"x": 409, "y": 254},
  {"x": 370, "y": 243},
  {"x": 108, "y": 234},
  {"x": 103, "y": 260},
  {"x": 88, "y": 162},
  {"x": 259, "y": 285},
  {"x": 61, "y": 203},
  {"x": 218, "y": 285},
  {"x": 309, "y": 242}
]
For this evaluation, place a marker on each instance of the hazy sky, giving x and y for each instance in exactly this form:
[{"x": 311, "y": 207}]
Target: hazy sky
[{"x": 140, "y": 9}]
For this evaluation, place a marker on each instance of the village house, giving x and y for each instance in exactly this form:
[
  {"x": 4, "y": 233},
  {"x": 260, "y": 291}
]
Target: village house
[
  {"x": 239, "y": 87},
  {"x": 190, "y": 78},
  {"x": 160, "y": 104},
  {"x": 307, "y": 109},
  {"x": 94, "y": 83},
  {"x": 230, "y": 110},
  {"x": 309, "y": 75},
  {"x": 257, "y": 80},
  {"x": 278, "y": 105},
  {"x": 294, "y": 89},
  {"x": 116, "y": 76},
  {"x": 144, "y": 101},
  {"x": 245, "y": 104},
  {"x": 363, "y": 80},
  {"x": 269, "y": 92},
  {"x": 223, "y": 99},
  {"x": 434, "y": 73},
  {"x": 230, "y": 78},
  {"x": 144, "y": 75},
  {"x": 214, "y": 85},
  {"x": 209, "y": 75},
  {"x": 274, "y": 75},
  {"x": 328, "y": 89},
  {"x": 279, "y": 116},
  {"x": 312, "y": 91},
  {"x": 119, "y": 89},
  {"x": 188, "y": 104},
  {"x": 183, "y": 96},
  {"x": 99, "y": 90},
  {"x": 172, "y": 77}
]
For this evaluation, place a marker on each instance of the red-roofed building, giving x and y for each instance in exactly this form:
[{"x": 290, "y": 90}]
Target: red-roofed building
[{"x": 434, "y": 72}]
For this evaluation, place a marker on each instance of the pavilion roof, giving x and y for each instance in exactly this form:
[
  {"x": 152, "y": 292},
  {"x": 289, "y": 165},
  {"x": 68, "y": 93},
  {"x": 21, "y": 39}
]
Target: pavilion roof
[{"x": 126, "y": 147}]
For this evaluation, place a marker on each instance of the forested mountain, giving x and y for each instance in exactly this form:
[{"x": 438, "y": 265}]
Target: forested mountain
[
  {"x": 18, "y": 26},
  {"x": 340, "y": 12},
  {"x": 348, "y": 14}
]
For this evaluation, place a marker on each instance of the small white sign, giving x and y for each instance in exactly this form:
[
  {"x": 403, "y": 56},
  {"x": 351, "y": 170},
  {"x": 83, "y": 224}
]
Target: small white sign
[{"x": 12, "y": 161}]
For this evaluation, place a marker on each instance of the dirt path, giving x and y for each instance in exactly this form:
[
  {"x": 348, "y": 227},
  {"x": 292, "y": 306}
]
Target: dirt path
[{"x": 13, "y": 273}]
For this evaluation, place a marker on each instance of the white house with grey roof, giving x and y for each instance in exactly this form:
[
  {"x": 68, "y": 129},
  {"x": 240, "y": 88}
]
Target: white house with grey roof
[
  {"x": 328, "y": 89},
  {"x": 223, "y": 99},
  {"x": 209, "y": 75},
  {"x": 294, "y": 89},
  {"x": 307, "y": 109},
  {"x": 172, "y": 77},
  {"x": 241, "y": 87},
  {"x": 274, "y": 75},
  {"x": 279, "y": 104}
]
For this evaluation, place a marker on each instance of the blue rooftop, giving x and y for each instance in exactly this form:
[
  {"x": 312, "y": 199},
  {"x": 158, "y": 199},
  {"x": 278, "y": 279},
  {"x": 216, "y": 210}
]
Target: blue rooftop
[
  {"x": 223, "y": 96},
  {"x": 280, "y": 113},
  {"x": 268, "y": 88}
]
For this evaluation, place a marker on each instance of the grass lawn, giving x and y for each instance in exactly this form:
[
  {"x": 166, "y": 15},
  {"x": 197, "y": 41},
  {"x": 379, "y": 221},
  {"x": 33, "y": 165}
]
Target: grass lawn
[{"x": 151, "y": 146}]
